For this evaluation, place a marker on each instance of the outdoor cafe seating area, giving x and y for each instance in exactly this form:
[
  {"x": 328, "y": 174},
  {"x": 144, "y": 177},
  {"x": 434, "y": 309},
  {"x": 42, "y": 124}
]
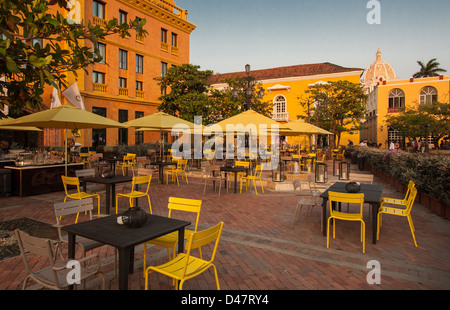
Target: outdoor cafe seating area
[{"x": 161, "y": 221}]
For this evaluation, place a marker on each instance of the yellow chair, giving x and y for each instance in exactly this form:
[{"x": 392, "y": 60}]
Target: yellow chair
[
  {"x": 171, "y": 169},
  {"x": 240, "y": 163},
  {"x": 86, "y": 158},
  {"x": 74, "y": 181},
  {"x": 128, "y": 161},
  {"x": 334, "y": 197},
  {"x": 396, "y": 201},
  {"x": 170, "y": 241},
  {"x": 185, "y": 266},
  {"x": 140, "y": 180},
  {"x": 181, "y": 168},
  {"x": 400, "y": 212},
  {"x": 256, "y": 176}
]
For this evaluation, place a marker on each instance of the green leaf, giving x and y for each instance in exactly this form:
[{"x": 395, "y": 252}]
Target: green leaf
[{"x": 11, "y": 65}]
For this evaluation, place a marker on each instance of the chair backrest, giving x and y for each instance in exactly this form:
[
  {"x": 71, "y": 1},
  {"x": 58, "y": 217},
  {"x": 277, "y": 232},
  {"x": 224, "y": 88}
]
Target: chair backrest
[
  {"x": 410, "y": 200},
  {"x": 357, "y": 198},
  {"x": 85, "y": 173},
  {"x": 75, "y": 181},
  {"x": 240, "y": 163},
  {"x": 186, "y": 205},
  {"x": 411, "y": 185},
  {"x": 39, "y": 247},
  {"x": 202, "y": 238},
  {"x": 144, "y": 179},
  {"x": 258, "y": 171},
  {"x": 72, "y": 207}
]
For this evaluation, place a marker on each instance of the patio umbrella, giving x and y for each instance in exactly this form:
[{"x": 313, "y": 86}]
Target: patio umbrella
[
  {"x": 11, "y": 127},
  {"x": 300, "y": 127},
  {"x": 66, "y": 117},
  {"x": 159, "y": 121}
]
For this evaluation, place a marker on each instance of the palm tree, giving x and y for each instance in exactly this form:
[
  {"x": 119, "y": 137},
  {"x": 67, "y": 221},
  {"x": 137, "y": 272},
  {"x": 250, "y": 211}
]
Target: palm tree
[{"x": 430, "y": 69}]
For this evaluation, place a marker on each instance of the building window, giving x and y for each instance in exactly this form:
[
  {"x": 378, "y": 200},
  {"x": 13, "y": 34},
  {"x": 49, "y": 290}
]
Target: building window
[
  {"x": 99, "y": 135},
  {"x": 163, "y": 68},
  {"x": 428, "y": 95},
  {"x": 123, "y": 132},
  {"x": 123, "y": 57},
  {"x": 174, "y": 40},
  {"x": 396, "y": 101},
  {"x": 163, "y": 35},
  {"x": 139, "y": 85},
  {"x": 139, "y": 135},
  {"x": 122, "y": 82},
  {"x": 102, "y": 52},
  {"x": 393, "y": 135},
  {"x": 98, "y": 9},
  {"x": 279, "y": 108},
  {"x": 123, "y": 16},
  {"x": 139, "y": 63},
  {"x": 98, "y": 77}
]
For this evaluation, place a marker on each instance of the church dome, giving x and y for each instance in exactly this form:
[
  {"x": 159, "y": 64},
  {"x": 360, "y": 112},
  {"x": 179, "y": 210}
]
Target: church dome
[{"x": 378, "y": 72}]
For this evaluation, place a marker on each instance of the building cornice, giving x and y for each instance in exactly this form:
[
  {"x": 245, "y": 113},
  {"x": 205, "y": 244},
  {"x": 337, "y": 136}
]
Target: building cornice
[
  {"x": 119, "y": 99},
  {"x": 161, "y": 14}
]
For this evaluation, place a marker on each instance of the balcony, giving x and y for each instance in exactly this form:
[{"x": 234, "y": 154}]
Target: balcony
[
  {"x": 396, "y": 109},
  {"x": 174, "y": 50},
  {"x": 164, "y": 47},
  {"x": 99, "y": 87},
  {"x": 123, "y": 91},
  {"x": 139, "y": 94},
  {"x": 99, "y": 21},
  {"x": 280, "y": 117},
  {"x": 171, "y": 8},
  {"x": 140, "y": 38}
]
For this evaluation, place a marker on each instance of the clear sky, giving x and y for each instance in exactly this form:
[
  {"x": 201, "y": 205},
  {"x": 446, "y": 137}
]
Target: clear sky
[{"x": 269, "y": 34}]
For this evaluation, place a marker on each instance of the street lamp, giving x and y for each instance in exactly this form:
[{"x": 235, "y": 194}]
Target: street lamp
[{"x": 248, "y": 91}]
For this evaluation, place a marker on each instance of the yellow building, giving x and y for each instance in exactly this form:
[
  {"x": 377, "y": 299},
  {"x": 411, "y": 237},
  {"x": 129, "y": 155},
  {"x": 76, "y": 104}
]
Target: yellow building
[
  {"x": 122, "y": 86},
  {"x": 392, "y": 97},
  {"x": 285, "y": 85}
]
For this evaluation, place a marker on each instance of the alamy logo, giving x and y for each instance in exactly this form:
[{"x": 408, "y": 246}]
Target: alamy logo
[
  {"x": 74, "y": 15},
  {"x": 74, "y": 275},
  {"x": 374, "y": 275},
  {"x": 374, "y": 16}
]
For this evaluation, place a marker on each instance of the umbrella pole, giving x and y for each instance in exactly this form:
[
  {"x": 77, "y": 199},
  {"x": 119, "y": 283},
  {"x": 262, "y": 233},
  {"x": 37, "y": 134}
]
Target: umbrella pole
[{"x": 65, "y": 154}]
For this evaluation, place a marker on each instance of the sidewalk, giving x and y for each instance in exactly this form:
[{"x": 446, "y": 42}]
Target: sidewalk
[{"x": 258, "y": 250}]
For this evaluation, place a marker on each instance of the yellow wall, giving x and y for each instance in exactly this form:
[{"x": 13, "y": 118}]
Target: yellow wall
[
  {"x": 158, "y": 14},
  {"x": 297, "y": 87},
  {"x": 412, "y": 89}
]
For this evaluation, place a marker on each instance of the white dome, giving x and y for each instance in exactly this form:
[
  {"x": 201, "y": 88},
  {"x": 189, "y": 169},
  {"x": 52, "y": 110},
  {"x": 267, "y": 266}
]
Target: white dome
[{"x": 378, "y": 72}]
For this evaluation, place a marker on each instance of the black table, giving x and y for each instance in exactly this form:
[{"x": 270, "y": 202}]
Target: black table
[
  {"x": 372, "y": 195},
  {"x": 235, "y": 170},
  {"x": 110, "y": 184},
  {"x": 161, "y": 165},
  {"x": 107, "y": 231}
]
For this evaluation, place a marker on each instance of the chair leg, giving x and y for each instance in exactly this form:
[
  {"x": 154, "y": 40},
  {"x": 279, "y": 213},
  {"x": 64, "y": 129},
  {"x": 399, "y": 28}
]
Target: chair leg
[
  {"x": 216, "y": 277},
  {"x": 254, "y": 184},
  {"x": 149, "y": 204},
  {"x": 412, "y": 229},
  {"x": 363, "y": 235}
]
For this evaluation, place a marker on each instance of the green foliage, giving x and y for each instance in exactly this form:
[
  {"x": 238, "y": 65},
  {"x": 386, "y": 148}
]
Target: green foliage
[
  {"x": 29, "y": 65},
  {"x": 431, "y": 68},
  {"x": 189, "y": 94},
  {"x": 426, "y": 119},
  {"x": 430, "y": 173},
  {"x": 339, "y": 107}
]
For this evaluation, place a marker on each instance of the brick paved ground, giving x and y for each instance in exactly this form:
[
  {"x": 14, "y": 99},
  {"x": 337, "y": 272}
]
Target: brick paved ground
[{"x": 258, "y": 250}]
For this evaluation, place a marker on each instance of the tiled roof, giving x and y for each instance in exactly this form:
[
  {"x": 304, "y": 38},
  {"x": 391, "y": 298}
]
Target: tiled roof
[{"x": 285, "y": 72}]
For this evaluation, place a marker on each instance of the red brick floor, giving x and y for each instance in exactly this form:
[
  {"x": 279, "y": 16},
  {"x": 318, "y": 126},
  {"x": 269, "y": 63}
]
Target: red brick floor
[{"x": 259, "y": 251}]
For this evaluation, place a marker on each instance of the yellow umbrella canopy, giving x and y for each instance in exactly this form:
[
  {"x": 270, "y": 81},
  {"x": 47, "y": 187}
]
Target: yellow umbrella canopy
[
  {"x": 66, "y": 117},
  {"x": 20, "y": 128},
  {"x": 300, "y": 127},
  {"x": 159, "y": 121},
  {"x": 251, "y": 120}
]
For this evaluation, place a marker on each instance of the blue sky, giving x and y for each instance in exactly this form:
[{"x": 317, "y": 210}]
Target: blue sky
[{"x": 268, "y": 34}]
